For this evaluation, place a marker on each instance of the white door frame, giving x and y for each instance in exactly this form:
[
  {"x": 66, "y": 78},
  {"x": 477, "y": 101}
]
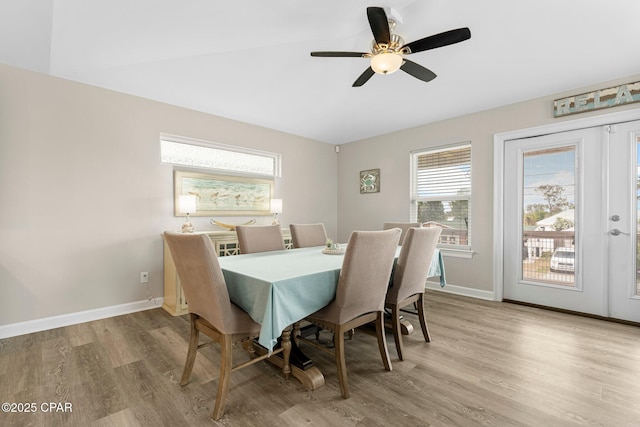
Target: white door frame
[{"x": 499, "y": 141}]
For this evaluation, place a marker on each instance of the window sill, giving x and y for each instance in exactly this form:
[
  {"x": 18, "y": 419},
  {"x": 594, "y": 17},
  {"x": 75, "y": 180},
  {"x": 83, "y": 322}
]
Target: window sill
[{"x": 457, "y": 253}]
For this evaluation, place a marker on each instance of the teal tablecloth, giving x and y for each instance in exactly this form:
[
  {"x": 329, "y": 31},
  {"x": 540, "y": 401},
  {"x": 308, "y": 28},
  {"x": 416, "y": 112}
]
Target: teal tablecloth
[
  {"x": 437, "y": 268},
  {"x": 279, "y": 288}
]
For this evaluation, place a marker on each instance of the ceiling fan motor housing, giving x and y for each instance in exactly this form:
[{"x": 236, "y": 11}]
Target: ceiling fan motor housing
[{"x": 394, "y": 46}]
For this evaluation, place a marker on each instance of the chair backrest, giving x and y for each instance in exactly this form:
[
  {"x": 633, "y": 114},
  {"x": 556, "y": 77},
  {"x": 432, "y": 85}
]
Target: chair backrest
[
  {"x": 411, "y": 270},
  {"x": 306, "y": 235},
  {"x": 201, "y": 277},
  {"x": 404, "y": 226},
  {"x": 259, "y": 238},
  {"x": 365, "y": 273}
]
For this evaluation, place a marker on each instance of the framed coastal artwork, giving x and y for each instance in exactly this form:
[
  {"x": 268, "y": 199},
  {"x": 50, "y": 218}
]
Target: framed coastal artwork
[
  {"x": 370, "y": 181},
  {"x": 223, "y": 195}
]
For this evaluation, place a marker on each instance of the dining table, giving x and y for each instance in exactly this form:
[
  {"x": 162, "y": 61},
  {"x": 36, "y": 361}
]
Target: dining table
[{"x": 279, "y": 288}]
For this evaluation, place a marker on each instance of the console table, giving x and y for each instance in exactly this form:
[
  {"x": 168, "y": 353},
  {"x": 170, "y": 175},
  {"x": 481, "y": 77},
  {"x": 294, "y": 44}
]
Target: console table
[{"x": 225, "y": 243}]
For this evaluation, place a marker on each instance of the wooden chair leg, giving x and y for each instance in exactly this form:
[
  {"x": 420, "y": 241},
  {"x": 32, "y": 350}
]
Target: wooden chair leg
[
  {"x": 423, "y": 319},
  {"x": 397, "y": 330},
  {"x": 341, "y": 364},
  {"x": 382, "y": 342},
  {"x": 226, "y": 364},
  {"x": 191, "y": 353}
]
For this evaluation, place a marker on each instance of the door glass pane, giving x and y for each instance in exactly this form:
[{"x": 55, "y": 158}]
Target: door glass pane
[{"x": 548, "y": 206}]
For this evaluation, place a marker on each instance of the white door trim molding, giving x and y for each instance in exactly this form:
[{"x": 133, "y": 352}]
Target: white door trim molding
[{"x": 499, "y": 141}]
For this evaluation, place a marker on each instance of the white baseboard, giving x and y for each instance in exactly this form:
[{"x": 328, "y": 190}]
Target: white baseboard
[
  {"x": 37, "y": 325},
  {"x": 461, "y": 290}
]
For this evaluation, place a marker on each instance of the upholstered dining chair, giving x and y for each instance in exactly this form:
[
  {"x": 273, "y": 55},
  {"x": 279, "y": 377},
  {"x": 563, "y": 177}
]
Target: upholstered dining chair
[
  {"x": 404, "y": 226},
  {"x": 360, "y": 295},
  {"x": 259, "y": 238},
  {"x": 409, "y": 278},
  {"x": 307, "y": 235},
  {"x": 210, "y": 309}
]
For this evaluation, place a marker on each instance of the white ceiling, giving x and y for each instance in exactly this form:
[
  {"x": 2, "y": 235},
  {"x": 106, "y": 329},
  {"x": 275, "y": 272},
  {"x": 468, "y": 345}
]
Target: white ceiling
[{"x": 249, "y": 60}]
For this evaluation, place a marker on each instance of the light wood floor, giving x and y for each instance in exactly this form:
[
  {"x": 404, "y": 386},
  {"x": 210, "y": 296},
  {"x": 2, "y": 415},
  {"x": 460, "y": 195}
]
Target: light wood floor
[{"x": 489, "y": 363}]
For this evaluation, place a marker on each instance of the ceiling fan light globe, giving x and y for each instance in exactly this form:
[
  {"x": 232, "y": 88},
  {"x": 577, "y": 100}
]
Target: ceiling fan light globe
[{"x": 386, "y": 62}]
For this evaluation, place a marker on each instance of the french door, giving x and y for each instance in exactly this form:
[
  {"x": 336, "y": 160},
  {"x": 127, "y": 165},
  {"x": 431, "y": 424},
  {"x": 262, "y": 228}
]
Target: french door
[
  {"x": 570, "y": 221},
  {"x": 622, "y": 221}
]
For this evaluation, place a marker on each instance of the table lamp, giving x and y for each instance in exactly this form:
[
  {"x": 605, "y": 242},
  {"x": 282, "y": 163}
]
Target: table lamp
[
  {"x": 276, "y": 208},
  {"x": 187, "y": 204}
]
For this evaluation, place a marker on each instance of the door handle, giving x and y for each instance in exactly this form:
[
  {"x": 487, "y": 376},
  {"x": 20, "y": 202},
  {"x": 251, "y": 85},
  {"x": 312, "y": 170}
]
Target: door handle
[{"x": 616, "y": 232}]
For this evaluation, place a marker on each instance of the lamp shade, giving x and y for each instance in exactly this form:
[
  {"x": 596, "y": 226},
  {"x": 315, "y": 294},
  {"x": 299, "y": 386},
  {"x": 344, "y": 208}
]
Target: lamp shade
[
  {"x": 187, "y": 204},
  {"x": 386, "y": 63},
  {"x": 276, "y": 206}
]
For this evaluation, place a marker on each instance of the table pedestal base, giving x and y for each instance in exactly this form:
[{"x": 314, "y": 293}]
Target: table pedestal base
[
  {"x": 405, "y": 327},
  {"x": 311, "y": 378}
]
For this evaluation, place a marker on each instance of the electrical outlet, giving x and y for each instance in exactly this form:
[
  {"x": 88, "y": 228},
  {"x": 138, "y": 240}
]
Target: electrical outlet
[{"x": 144, "y": 277}]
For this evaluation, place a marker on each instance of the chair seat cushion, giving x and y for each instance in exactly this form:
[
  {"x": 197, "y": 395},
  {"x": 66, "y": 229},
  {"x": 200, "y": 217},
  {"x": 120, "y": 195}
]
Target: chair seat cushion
[
  {"x": 331, "y": 314},
  {"x": 240, "y": 322}
]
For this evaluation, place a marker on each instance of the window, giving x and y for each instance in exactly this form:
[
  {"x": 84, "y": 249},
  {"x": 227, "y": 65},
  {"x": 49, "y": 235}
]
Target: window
[
  {"x": 202, "y": 154},
  {"x": 441, "y": 192}
]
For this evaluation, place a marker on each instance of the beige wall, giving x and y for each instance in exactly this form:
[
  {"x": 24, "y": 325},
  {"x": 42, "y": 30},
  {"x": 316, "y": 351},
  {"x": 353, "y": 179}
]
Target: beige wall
[
  {"x": 85, "y": 198},
  {"x": 391, "y": 154}
]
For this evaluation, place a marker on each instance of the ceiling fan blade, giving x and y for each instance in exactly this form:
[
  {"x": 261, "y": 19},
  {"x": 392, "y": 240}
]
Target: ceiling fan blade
[
  {"x": 364, "y": 77},
  {"x": 417, "y": 71},
  {"x": 341, "y": 54},
  {"x": 379, "y": 24},
  {"x": 439, "y": 40}
]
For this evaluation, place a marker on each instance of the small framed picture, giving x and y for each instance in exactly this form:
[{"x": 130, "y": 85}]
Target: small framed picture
[{"x": 370, "y": 181}]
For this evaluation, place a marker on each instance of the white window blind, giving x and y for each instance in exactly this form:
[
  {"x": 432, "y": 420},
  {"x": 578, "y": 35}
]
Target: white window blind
[{"x": 442, "y": 192}]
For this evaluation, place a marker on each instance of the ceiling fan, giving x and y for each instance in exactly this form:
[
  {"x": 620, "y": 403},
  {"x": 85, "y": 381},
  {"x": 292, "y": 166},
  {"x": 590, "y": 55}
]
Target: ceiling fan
[{"x": 388, "y": 49}]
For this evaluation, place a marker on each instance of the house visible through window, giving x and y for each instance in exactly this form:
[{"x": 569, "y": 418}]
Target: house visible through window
[
  {"x": 202, "y": 154},
  {"x": 441, "y": 192}
]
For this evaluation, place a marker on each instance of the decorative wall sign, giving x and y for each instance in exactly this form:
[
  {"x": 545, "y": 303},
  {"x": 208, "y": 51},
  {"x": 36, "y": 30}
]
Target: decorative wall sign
[
  {"x": 370, "y": 181},
  {"x": 223, "y": 195},
  {"x": 604, "y": 98}
]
